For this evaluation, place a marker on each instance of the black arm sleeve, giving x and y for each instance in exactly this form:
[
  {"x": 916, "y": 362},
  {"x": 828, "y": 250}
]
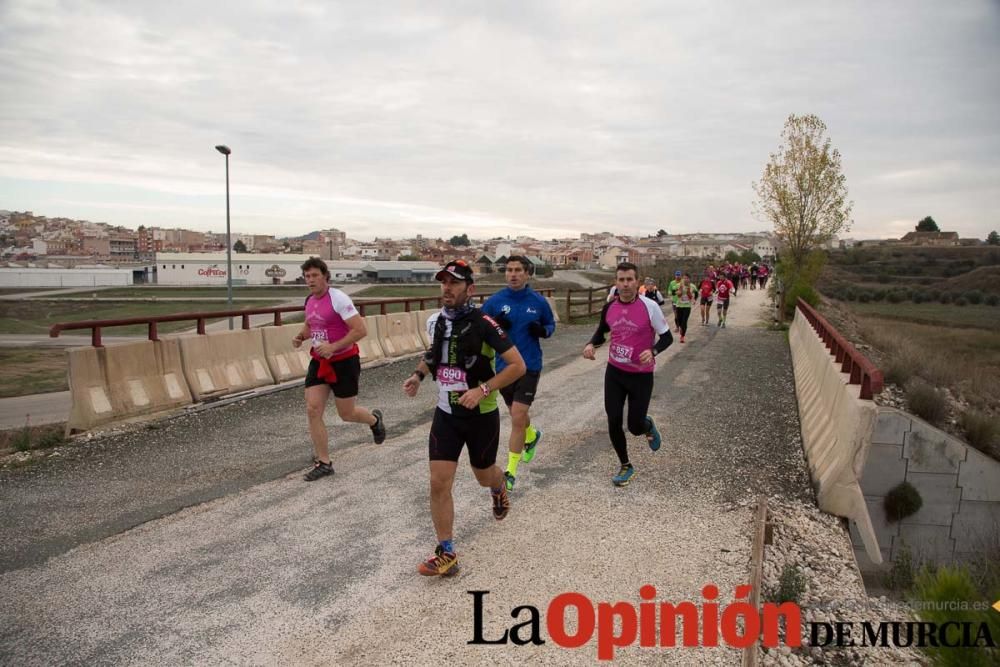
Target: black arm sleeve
[
  {"x": 663, "y": 343},
  {"x": 602, "y": 328}
]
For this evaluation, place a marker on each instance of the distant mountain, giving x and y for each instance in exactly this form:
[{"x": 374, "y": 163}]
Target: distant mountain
[{"x": 311, "y": 236}]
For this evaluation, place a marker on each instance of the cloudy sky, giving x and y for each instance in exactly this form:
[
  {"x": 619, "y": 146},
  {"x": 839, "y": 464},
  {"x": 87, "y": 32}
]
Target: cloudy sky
[{"x": 492, "y": 118}]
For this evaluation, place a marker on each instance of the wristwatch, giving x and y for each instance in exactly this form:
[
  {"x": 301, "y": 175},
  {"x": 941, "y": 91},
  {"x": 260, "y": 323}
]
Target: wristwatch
[
  {"x": 486, "y": 389},
  {"x": 420, "y": 374}
]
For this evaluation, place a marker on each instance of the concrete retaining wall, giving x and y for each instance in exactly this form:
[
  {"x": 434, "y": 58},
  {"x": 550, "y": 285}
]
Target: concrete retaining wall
[
  {"x": 836, "y": 430},
  {"x": 121, "y": 381},
  {"x": 959, "y": 485}
]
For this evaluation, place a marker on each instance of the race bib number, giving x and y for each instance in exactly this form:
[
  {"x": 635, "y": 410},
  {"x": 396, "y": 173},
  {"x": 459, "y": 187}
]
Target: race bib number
[
  {"x": 452, "y": 378},
  {"x": 318, "y": 338},
  {"x": 621, "y": 353}
]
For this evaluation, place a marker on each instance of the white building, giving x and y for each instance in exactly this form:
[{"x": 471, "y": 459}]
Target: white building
[
  {"x": 60, "y": 277},
  {"x": 209, "y": 269}
]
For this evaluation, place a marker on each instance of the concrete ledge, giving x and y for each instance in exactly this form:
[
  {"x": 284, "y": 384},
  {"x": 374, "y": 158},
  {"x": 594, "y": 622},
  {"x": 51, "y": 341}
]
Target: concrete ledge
[
  {"x": 283, "y": 358},
  {"x": 397, "y": 334},
  {"x": 224, "y": 362}
]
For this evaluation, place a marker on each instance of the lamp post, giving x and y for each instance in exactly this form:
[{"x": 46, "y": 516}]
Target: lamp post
[{"x": 229, "y": 244}]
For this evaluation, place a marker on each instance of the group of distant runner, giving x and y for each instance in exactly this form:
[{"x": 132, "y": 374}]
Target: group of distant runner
[{"x": 480, "y": 354}]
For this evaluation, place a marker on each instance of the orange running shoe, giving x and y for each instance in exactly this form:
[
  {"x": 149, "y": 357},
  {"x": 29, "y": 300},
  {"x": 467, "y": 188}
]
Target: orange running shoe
[{"x": 441, "y": 564}]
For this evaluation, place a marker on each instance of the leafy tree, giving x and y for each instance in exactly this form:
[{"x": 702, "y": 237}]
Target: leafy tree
[
  {"x": 462, "y": 240},
  {"x": 409, "y": 258},
  {"x": 993, "y": 238},
  {"x": 661, "y": 233},
  {"x": 927, "y": 225},
  {"x": 803, "y": 193},
  {"x": 239, "y": 246}
]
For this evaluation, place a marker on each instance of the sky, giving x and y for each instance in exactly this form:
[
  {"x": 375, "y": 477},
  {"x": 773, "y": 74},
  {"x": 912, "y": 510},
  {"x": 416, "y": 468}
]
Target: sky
[{"x": 393, "y": 119}]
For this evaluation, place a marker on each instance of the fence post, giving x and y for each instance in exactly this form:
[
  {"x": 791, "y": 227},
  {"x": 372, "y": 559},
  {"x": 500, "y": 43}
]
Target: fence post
[{"x": 569, "y": 305}]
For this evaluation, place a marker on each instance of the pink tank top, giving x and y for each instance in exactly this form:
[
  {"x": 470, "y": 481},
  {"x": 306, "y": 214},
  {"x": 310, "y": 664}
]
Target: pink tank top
[{"x": 634, "y": 327}]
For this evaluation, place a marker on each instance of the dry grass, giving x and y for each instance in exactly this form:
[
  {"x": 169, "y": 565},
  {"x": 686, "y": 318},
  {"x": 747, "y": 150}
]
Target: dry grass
[
  {"x": 926, "y": 402},
  {"x": 26, "y": 371},
  {"x": 982, "y": 432}
]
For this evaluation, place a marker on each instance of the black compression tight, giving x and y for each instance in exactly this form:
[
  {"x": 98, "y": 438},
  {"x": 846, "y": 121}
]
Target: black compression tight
[
  {"x": 682, "y": 319},
  {"x": 637, "y": 389}
]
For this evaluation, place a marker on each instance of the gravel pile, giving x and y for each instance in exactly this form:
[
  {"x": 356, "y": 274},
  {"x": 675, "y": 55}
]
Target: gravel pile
[{"x": 817, "y": 544}]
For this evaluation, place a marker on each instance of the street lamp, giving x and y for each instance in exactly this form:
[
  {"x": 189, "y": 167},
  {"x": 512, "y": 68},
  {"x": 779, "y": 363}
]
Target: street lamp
[{"x": 229, "y": 244}]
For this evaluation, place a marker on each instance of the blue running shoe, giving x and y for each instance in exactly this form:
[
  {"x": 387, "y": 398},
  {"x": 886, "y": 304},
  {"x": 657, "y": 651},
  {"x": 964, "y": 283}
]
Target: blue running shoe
[
  {"x": 653, "y": 435},
  {"x": 624, "y": 475}
]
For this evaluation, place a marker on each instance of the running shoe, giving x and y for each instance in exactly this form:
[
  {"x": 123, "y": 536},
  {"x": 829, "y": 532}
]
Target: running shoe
[
  {"x": 723, "y": 324},
  {"x": 319, "y": 470},
  {"x": 378, "y": 430},
  {"x": 501, "y": 503},
  {"x": 624, "y": 476},
  {"x": 441, "y": 564},
  {"x": 653, "y": 434},
  {"x": 508, "y": 481},
  {"x": 529, "y": 447},
  {"x": 682, "y": 339}
]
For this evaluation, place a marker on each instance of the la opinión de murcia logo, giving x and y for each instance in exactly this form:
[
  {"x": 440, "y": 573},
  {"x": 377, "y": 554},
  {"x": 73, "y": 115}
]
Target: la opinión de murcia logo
[{"x": 738, "y": 625}]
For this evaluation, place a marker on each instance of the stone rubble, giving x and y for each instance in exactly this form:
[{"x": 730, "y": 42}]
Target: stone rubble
[{"x": 820, "y": 547}]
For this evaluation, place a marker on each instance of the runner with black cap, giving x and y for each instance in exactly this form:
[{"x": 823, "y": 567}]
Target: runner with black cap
[{"x": 461, "y": 359}]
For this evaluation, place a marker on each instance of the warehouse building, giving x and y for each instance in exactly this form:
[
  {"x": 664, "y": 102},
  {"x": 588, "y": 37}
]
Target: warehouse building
[{"x": 249, "y": 269}]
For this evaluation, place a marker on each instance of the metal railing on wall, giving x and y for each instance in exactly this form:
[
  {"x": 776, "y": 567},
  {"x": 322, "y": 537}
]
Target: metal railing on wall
[
  {"x": 861, "y": 370},
  {"x": 365, "y": 306}
]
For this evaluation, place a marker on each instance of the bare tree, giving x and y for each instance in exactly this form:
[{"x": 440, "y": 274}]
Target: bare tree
[{"x": 802, "y": 191}]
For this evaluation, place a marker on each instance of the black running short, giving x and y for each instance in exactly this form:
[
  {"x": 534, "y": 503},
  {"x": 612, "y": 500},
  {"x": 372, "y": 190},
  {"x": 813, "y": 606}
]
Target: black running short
[
  {"x": 348, "y": 373},
  {"x": 723, "y": 304},
  {"x": 450, "y": 433},
  {"x": 706, "y": 301},
  {"x": 523, "y": 390}
]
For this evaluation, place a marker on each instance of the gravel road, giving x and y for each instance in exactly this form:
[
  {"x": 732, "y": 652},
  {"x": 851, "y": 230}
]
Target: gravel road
[{"x": 197, "y": 542}]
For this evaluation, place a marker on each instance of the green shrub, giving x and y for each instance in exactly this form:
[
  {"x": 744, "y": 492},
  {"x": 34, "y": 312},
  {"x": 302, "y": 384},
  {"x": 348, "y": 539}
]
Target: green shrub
[
  {"x": 974, "y": 296},
  {"x": 935, "y": 594},
  {"x": 918, "y": 297},
  {"x": 22, "y": 441},
  {"x": 798, "y": 290},
  {"x": 945, "y": 297},
  {"x": 982, "y": 431},
  {"x": 791, "y": 585},
  {"x": 961, "y": 301},
  {"x": 52, "y": 439},
  {"x": 902, "y": 572},
  {"x": 934, "y": 295},
  {"x": 992, "y": 299},
  {"x": 865, "y": 296},
  {"x": 878, "y": 295},
  {"x": 883, "y": 278},
  {"x": 901, "y": 365},
  {"x": 902, "y": 501},
  {"x": 895, "y": 296},
  {"x": 851, "y": 294},
  {"x": 925, "y": 401}
]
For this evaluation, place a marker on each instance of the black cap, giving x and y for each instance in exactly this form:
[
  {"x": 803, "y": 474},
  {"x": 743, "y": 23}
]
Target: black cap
[{"x": 457, "y": 268}]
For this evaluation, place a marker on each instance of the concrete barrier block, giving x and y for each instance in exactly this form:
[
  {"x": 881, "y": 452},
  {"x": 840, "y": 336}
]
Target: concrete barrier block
[
  {"x": 397, "y": 334},
  {"x": 121, "y": 381},
  {"x": 884, "y": 469},
  {"x": 205, "y": 376},
  {"x": 90, "y": 400},
  {"x": 940, "y": 495},
  {"x": 422, "y": 316},
  {"x": 926, "y": 543},
  {"x": 242, "y": 354},
  {"x": 891, "y": 427},
  {"x": 979, "y": 477},
  {"x": 976, "y": 527},
  {"x": 283, "y": 358},
  {"x": 930, "y": 450},
  {"x": 369, "y": 346}
]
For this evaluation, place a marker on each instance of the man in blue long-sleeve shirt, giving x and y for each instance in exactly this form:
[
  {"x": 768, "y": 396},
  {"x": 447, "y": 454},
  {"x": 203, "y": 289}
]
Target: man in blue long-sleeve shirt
[{"x": 527, "y": 317}]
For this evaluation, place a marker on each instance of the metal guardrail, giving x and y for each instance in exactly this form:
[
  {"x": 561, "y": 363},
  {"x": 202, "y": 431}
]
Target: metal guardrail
[
  {"x": 200, "y": 318},
  {"x": 589, "y": 301},
  {"x": 860, "y": 368}
]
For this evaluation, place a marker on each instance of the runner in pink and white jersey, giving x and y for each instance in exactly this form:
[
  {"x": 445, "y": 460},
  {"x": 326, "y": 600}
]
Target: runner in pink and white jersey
[
  {"x": 634, "y": 323},
  {"x": 334, "y": 327}
]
